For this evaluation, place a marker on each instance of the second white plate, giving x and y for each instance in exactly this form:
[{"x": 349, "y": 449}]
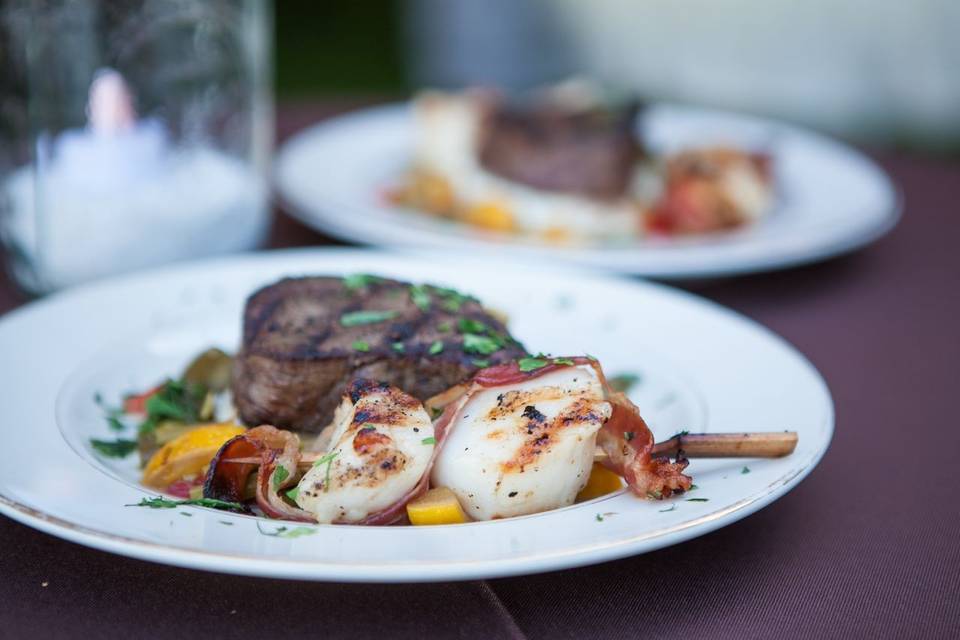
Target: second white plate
[{"x": 831, "y": 198}]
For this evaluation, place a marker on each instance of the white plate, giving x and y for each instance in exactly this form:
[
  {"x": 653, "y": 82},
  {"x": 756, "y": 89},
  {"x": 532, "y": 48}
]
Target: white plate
[
  {"x": 831, "y": 199},
  {"x": 702, "y": 368}
]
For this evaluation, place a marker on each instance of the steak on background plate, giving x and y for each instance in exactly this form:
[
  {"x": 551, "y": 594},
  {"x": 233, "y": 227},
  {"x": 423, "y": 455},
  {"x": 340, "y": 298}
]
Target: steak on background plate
[{"x": 305, "y": 339}]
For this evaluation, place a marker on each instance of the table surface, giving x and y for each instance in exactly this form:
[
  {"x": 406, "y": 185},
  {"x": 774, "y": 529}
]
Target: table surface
[{"x": 867, "y": 546}]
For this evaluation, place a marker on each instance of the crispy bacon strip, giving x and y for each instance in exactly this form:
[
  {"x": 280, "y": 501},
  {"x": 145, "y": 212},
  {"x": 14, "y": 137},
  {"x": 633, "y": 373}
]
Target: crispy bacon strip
[
  {"x": 277, "y": 450},
  {"x": 625, "y": 437}
]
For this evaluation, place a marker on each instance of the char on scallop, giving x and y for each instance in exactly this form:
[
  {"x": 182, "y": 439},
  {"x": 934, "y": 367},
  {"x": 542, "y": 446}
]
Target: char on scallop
[
  {"x": 523, "y": 447},
  {"x": 381, "y": 449}
]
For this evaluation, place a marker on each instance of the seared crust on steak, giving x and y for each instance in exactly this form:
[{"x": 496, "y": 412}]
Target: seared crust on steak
[{"x": 297, "y": 355}]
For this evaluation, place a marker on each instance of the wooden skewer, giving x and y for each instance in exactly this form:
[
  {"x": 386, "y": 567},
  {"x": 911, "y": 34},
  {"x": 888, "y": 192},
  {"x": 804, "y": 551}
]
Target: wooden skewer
[
  {"x": 729, "y": 445},
  {"x": 693, "y": 445}
]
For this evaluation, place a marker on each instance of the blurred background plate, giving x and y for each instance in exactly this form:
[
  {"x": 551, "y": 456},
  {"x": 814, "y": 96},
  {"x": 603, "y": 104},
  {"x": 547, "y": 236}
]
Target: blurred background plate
[{"x": 830, "y": 198}]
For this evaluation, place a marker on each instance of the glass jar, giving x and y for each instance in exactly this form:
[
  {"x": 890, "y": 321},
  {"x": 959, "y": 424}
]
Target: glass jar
[{"x": 132, "y": 134}]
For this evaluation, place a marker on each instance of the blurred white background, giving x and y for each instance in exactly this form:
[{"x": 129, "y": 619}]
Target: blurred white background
[{"x": 878, "y": 71}]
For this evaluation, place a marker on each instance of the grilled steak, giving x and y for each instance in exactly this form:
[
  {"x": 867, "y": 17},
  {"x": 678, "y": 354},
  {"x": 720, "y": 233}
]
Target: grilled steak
[
  {"x": 304, "y": 339},
  {"x": 586, "y": 152}
]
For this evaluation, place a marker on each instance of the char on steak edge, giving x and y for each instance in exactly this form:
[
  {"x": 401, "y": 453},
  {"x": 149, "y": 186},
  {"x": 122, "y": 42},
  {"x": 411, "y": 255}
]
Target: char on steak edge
[{"x": 305, "y": 339}]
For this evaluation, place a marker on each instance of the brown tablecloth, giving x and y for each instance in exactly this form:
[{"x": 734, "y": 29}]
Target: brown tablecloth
[{"x": 867, "y": 546}]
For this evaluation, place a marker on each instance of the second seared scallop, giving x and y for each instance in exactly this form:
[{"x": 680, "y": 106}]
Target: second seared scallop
[
  {"x": 524, "y": 447},
  {"x": 380, "y": 450}
]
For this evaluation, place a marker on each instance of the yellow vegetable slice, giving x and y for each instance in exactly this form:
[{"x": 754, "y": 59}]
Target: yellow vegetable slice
[
  {"x": 436, "y": 506},
  {"x": 188, "y": 454},
  {"x": 490, "y": 215},
  {"x": 602, "y": 481}
]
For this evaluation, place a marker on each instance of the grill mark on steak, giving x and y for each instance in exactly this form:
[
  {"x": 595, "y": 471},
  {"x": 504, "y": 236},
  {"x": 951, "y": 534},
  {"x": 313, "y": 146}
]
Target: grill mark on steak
[{"x": 296, "y": 358}]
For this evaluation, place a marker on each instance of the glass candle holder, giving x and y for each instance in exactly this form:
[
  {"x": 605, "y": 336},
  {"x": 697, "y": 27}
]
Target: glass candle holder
[{"x": 132, "y": 134}]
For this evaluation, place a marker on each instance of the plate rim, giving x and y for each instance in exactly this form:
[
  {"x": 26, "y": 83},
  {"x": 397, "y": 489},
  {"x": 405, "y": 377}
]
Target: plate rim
[
  {"x": 321, "y": 570},
  {"x": 320, "y": 217}
]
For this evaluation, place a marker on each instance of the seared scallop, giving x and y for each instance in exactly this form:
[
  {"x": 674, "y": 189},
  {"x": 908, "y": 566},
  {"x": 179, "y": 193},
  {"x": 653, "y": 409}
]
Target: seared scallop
[
  {"x": 380, "y": 448},
  {"x": 524, "y": 447}
]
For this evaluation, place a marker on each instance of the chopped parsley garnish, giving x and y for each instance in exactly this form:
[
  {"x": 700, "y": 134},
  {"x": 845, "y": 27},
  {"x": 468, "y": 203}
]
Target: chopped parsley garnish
[
  {"x": 165, "y": 503},
  {"x": 698, "y": 499},
  {"x": 693, "y": 487},
  {"x": 451, "y": 299},
  {"x": 444, "y": 327},
  {"x": 673, "y": 507},
  {"x": 286, "y": 532},
  {"x": 435, "y": 348},
  {"x": 184, "y": 513},
  {"x": 293, "y": 493},
  {"x": 478, "y": 362},
  {"x": 629, "y": 435},
  {"x": 420, "y": 297},
  {"x": 359, "y": 281},
  {"x": 532, "y": 364},
  {"x": 565, "y": 361},
  {"x": 114, "y": 423},
  {"x": 623, "y": 382},
  {"x": 745, "y": 470},
  {"x": 398, "y": 347},
  {"x": 357, "y": 318},
  {"x": 482, "y": 345},
  {"x": 680, "y": 434},
  {"x": 430, "y": 440},
  {"x": 599, "y": 518},
  {"x": 469, "y": 325},
  {"x": 114, "y": 448},
  {"x": 327, "y": 460},
  {"x": 435, "y": 412},
  {"x": 279, "y": 475},
  {"x": 175, "y": 400},
  {"x": 360, "y": 345}
]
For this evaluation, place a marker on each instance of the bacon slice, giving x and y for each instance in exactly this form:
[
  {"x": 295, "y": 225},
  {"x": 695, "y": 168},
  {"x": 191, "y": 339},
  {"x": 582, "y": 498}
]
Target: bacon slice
[{"x": 277, "y": 449}]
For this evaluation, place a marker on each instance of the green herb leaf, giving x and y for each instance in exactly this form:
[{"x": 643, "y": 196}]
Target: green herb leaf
[
  {"x": 623, "y": 382},
  {"x": 435, "y": 348},
  {"x": 532, "y": 364},
  {"x": 680, "y": 434},
  {"x": 745, "y": 470},
  {"x": 359, "y": 281},
  {"x": 184, "y": 513},
  {"x": 114, "y": 448},
  {"x": 698, "y": 499},
  {"x": 693, "y": 487},
  {"x": 435, "y": 412},
  {"x": 430, "y": 440},
  {"x": 279, "y": 475},
  {"x": 327, "y": 460},
  {"x": 360, "y": 345},
  {"x": 564, "y": 361},
  {"x": 599, "y": 518},
  {"x": 293, "y": 493},
  {"x": 165, "y": 503},
  {"x": 357, "y": 318},
  {"x": 444, "y": 327},
  {"x": 469, "y": 325},
  {"x": 114, "y": 423},
  {"x": 398, "y": 347},
  {"x": 420, "y": 297},
  {"x": 483, "y": 364},
  {"x": 482, "y": 345}
]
